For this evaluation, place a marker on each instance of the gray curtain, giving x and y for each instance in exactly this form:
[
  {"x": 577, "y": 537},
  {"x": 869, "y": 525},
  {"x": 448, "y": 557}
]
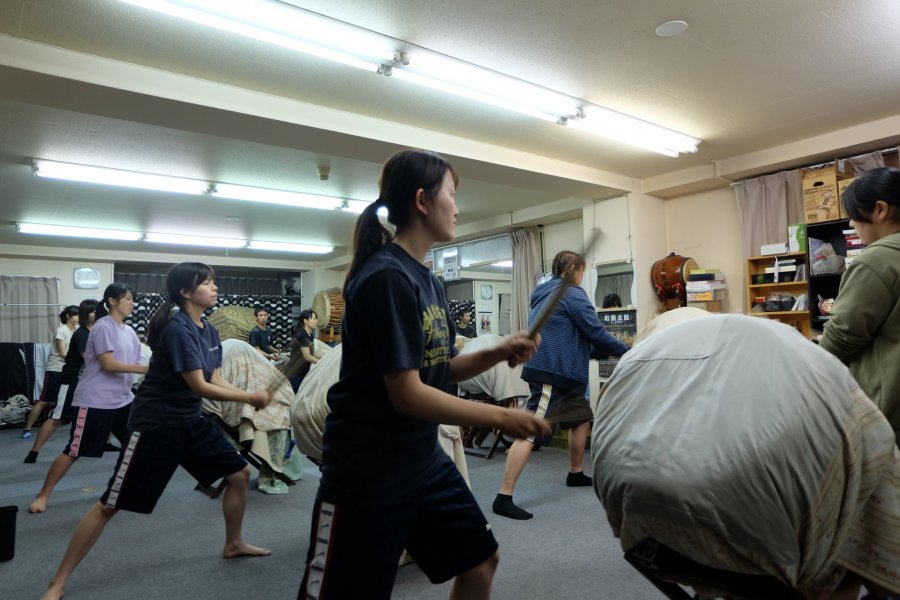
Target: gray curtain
[
  {"x": 29, "y": 308},
  {"x": 525, "y": 270}
]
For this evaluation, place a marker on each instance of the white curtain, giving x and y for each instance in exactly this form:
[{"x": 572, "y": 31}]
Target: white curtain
[
  {"x": 29, "y": 308},
  {"x": 525, "y": 270}
]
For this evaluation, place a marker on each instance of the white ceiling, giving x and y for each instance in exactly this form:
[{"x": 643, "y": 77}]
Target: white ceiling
[{"x": 105, "y": 83}]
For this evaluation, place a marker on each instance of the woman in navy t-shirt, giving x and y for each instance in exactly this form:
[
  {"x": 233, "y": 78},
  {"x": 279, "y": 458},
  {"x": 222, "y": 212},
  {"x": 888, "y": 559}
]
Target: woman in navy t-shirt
[
  {"x": 386, "y": 485},
  {"x": 166, "y": 426}
]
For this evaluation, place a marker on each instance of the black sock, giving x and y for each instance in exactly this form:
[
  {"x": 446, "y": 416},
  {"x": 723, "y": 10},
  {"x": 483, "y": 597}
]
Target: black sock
[
  {"x": 578, "y": 480},
  {"x": 503, "y": 505},
  {"x": 32, "y": 457}
]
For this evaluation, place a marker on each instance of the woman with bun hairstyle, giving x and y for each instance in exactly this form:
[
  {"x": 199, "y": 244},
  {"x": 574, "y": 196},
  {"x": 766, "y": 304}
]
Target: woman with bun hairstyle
[{"x": 166, "y": 426}]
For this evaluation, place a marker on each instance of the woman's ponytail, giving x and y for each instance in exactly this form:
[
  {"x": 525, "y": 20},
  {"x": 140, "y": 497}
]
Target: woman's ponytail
[{"x": 368, "y": 236}]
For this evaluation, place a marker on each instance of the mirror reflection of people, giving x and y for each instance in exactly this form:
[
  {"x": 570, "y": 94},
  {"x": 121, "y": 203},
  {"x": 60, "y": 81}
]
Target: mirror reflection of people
[
  {"x": 612, "y": 301},
  {"x": 464, "y": 324},
  {"x": 53, "y": 369},
  {"x": 71, "y": 371},
  {"x": 303, "y": 354},
  {"x": 864, "y": 328},
  {"x": 260, "y": 335}
]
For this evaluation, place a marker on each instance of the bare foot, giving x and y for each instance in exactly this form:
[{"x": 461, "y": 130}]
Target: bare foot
[
  {"x": 244, "y": 549},
  {"x": 38, "y": 506},
  {"x": 54, "y": 592}
]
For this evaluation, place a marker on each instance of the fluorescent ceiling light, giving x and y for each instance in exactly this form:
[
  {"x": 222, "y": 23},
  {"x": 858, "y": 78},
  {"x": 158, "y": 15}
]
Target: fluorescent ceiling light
[
  {"x": 496, "y": 85},
  {"x": 194, "y": 240},
  {"x": 265, "y": 195},
  {"x": 72, "y": 172},
  {"x": 286, "y": 25},
  {"x": 82, "y": 232},
  {"x": 286, "y": 247},
  {"x": 282, "y": 25},
  {"x": 502, "y": 263},
  {"x": 629, "y": 130},
  {"x": 472, "y": 94}
]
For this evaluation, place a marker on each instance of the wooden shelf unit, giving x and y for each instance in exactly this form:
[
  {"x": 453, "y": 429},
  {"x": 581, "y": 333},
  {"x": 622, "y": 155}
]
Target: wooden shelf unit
[{"x": 800, "y": 319}]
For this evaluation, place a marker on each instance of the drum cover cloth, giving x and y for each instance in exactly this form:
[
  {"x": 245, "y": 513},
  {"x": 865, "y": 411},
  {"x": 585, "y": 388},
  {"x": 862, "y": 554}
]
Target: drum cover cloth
[{"x": 737, "y": 443}]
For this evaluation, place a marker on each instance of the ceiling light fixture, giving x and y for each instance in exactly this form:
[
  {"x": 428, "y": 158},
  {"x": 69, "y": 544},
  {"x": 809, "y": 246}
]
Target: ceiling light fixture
[
  {"x": 269, "y": 196},
  {"x": 617, "y": 126},
  {"x": 89, "y": 174},
  {"x": 81, "y": 232},
  {"x": 503, "y": 263},
  {"x": 288, "y": 247},
  {"x": 194, "y": 240},
  {"x": 283, "y": 25},
  {"x": 165, "y": 183},
  {"x": 311, "y": 33}
]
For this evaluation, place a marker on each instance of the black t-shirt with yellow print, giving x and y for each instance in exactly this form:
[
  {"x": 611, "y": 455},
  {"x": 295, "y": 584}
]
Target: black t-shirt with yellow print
[{"x": 395, "y": 318}]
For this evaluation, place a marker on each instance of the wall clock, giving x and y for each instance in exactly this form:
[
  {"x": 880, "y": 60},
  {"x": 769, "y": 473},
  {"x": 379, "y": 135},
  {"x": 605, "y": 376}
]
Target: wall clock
[
  {"x": 487, "y": 292},
  {"x": 86, "y": 278}
]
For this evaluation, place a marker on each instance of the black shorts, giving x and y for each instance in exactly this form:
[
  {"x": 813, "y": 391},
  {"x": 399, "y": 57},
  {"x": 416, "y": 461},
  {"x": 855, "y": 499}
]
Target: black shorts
[
  {"x": 64, "y": 411},
  {"x": 354, "y": 550},
  {"x": 547, "y": 400},
  {"x": 52, "y": 381},
  {"x": 91, "y": 428},
  {"x": 149, "y": 458}
]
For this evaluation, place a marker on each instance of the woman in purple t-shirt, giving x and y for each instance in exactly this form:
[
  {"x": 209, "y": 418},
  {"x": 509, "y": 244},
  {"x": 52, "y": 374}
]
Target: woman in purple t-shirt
[
  {"x": 103, "y": 396},
  {"x": 167, "y": 427}
]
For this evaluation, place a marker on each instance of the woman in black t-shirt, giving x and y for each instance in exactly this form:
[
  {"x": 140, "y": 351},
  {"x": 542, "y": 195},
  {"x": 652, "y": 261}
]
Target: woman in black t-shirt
[
  {"x": 302, "y": 348},
  {"x": 71, "y": 371},
  {"x": 386, "y": 484},
  {"x": 166, "y": 426}
]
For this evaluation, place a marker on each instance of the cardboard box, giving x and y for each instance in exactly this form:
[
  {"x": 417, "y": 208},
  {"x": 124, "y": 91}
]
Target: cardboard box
[
  {"x": 705, "y": 296},
  {"x": 711, "y": 306},
  {"x": 843, "y": 184},
  {"x": 797, "y": 237},
  {"x": 820, "y": 194}
]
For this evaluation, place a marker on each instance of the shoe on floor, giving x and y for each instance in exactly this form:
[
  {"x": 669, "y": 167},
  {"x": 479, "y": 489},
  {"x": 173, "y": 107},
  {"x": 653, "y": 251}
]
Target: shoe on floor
[
  {"x": 32, "y": 457},
  {"x": 272, "y": 487},
  {"x": 578, "y": 480},
  {"x": 504, "y": 506},
  {"x": 27, "y": 435}
]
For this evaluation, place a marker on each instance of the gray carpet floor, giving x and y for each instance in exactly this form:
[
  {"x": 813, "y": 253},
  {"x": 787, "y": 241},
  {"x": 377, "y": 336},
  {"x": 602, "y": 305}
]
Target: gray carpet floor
[{"x": 565, "y": 551}]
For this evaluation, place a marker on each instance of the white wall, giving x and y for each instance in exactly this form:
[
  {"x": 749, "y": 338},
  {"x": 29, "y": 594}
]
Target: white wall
[
  {"x": 706, "y": 227},
  {"x": 567, "y": 235},
  {"x": 64, "y": 271},
  {"x": 492, "y": 305}
]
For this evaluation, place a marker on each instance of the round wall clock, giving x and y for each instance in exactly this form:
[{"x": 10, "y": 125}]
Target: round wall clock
[
  {"x": 87, "y": 278},
  {"x": 487, "y": 292}
]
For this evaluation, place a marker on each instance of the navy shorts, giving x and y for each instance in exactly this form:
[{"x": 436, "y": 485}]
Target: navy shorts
[
  {"x": 547, "y": 400},
  {"x": 149, "y": 459},
  {"x": 91, "y": 428},
  {"x": 354, "y": 550}
]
